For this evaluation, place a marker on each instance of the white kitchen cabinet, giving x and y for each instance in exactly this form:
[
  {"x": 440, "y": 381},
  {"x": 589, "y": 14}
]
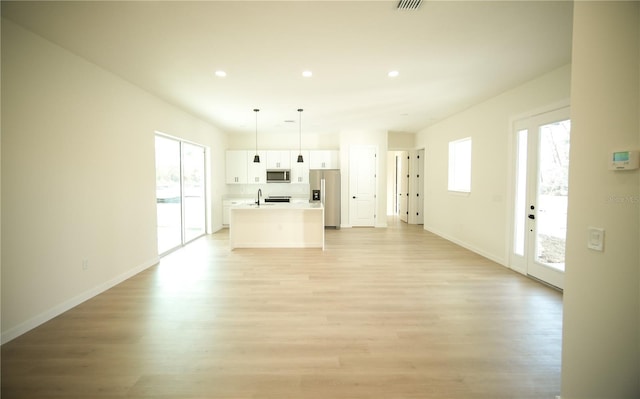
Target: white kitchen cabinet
[
  {"x": 299, "y": 171},
  {"x": 236, "y": 167},
  {"x": 324, "y": 159},
  {"x": 278, "y": 159},
  {"x": 256, "y": 172}
]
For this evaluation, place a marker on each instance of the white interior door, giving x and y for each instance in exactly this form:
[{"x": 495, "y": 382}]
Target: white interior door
[
  {"x": 362, "y": 186},
  {"x": 540, "y": 217},
  {"x": 403, "y": 186},
  {"x": 420, "y": 185}
]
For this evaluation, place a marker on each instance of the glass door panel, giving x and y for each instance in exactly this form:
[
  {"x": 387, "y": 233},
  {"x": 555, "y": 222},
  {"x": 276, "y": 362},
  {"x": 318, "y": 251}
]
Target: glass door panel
[
  {"x": 193, "y": 170},
  {"x": 520, "y": 209},
  {"x": 168, "y": 194},
  {"x": 552, "y": 194}
]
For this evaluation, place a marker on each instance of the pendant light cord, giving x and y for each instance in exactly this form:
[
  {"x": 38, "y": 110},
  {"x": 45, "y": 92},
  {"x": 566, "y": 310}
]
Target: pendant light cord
[
  {"x": 256, "y": 111},
  {"x": 256, "y": 158},
  {"x": 300, "y": 159}
]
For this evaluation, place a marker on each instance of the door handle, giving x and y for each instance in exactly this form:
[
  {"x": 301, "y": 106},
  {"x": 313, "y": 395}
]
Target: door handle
[
  {"x": 354, "y": 197},
  {"x": 532, "y": 217}
]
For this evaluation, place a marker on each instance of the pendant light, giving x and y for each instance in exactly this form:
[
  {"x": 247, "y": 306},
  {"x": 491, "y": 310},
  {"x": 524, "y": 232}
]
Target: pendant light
[
  {"x": 300, "y": 159},
  {"x": 256, "y": 158}
]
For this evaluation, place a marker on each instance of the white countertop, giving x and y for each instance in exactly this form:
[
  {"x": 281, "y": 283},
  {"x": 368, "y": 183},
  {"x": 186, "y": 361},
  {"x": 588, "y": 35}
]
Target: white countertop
[{"x": 278, "y": 206}]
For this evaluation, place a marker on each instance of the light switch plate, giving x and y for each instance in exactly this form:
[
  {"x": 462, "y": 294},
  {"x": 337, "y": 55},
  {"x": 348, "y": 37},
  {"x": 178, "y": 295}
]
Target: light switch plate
[{"x": 596, "y": 239}]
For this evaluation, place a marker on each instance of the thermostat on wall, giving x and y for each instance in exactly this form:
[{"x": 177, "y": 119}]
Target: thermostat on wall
[{"x": 624, "y": 160}]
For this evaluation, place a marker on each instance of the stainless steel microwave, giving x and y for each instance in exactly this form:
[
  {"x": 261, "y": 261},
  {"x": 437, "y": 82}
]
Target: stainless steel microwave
[{"x": 278, "y": 176}]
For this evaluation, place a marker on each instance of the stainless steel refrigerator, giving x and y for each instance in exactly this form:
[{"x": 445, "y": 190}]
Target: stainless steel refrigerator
[{"x": 324, "y": 185}]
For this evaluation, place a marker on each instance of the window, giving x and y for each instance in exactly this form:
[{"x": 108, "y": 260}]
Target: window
[{"x": 460, "y": 165}]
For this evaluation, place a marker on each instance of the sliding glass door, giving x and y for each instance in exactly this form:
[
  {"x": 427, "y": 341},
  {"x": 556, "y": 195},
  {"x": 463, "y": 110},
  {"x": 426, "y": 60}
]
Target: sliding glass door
[
  {"x": 180, "y": 192},
  {"x": 193, "y": 193},
  {"x": 168, "y": 194}
]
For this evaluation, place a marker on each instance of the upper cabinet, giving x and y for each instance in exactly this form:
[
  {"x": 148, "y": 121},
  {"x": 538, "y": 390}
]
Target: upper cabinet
[
  {"x": 240, "y": 168},
  {"x": 256, "y": 171},
  {"x": 324, "y": 159},
  {"x": 236, "y": 167},
  {"x": 278, "y": 159},
  {"x": 299, "y": 170}
]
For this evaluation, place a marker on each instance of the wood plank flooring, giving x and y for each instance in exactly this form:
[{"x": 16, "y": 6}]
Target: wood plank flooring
[{"x": 381, "y": 313}]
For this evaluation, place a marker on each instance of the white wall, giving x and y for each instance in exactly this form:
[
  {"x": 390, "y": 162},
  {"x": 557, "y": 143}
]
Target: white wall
[
  {"x": 78, "y": 177},
  {"x": 0, "y": 197},
  {"x": 601, "y": 340},
  {"x": 480, "y": 221},
  {"x": 284, "y": 141},
  {"x": 401, "y": 141}
]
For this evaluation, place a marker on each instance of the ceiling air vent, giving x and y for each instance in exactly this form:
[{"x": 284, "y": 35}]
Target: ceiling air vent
[{"x": 409, "y": 4}]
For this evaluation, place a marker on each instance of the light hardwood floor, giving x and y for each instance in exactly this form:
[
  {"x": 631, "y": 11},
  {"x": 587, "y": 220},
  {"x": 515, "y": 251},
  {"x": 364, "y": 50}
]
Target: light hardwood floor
[{"x": 381, "y": 313}]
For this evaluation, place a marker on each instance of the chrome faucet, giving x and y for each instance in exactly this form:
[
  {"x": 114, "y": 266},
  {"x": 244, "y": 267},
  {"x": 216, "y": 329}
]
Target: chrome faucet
[{"x": 259, "y": 195}]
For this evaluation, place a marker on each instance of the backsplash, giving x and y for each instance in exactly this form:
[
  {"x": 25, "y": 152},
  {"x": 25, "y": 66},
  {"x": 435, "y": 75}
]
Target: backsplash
[{"x": 249, "y": 190}]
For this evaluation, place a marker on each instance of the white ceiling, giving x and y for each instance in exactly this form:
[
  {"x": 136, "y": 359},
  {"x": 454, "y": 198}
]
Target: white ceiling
[{"x": 450, "y": 55}]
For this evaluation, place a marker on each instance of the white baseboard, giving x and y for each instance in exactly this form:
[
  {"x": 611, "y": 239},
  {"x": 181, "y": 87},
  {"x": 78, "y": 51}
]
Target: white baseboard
[
  {"x": 73, "y": 302},
  {"x": 468, "y": 246}
]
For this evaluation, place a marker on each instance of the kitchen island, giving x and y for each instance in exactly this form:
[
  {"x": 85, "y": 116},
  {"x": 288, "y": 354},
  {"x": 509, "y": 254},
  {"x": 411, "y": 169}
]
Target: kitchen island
[{"x": 277, "y": 225}]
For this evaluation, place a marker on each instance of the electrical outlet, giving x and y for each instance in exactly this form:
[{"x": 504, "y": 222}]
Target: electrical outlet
[{"x": 85, "y": 264}]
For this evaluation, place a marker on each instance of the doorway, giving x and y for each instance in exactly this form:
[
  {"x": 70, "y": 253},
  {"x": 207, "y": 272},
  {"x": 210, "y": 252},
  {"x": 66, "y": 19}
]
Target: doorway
[
  {"x": 405, "y": 185},
  {"x": 402, "y": 185},
  {"x": 541, "y": 191}
]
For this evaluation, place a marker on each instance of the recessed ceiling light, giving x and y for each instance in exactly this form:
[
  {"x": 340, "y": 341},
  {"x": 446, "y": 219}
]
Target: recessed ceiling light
[
  {"x": 307, "y": 74},
  {"x": 221, "y": 74},
  {"x": 393, "y": 74}
]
